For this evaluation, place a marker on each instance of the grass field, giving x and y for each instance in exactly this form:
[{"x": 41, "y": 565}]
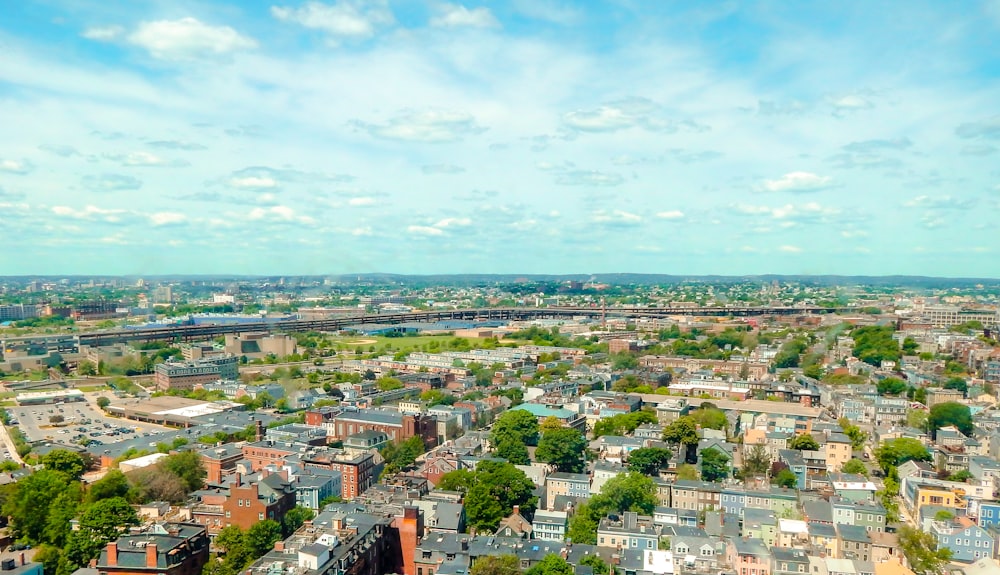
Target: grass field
[{"x": 393, "y": 344}]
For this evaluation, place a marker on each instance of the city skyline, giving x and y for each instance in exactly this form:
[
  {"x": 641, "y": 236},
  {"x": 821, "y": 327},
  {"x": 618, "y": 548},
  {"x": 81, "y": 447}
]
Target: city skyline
[{"x": 291, "y": 138}]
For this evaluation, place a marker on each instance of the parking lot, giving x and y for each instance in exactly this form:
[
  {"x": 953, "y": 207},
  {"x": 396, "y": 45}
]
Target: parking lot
[{"x": 80, "y": 420}]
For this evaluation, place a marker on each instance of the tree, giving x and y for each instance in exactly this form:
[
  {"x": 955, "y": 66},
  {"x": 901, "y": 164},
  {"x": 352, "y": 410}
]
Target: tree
[
  {"x": 900, "y": 450},
  {"x": 803, "y": 442},
  {"x": 562, "y": 447},
  {"x": 388, "y": 383},
  {"x": 910, "y": 346},
  {"x": 100, "y": 523},
  {"x": 261, "y": 536},
  {"x": 597, "y": 564},
  {"x": 855, "y": 466},
  {"x": 188, "y": 467},
  {"x": 874, "y": 344},
  {"x": 86, "y": 368},
  {"x": 491, "y": 492},
  {"x": 399, "y": 456},
  {"x": 858, "y": 438},
  {"x": 648, "y": 460},
  {"x": 516, "y": 424},
  {"x": 687, "y": 472},
  {"x": 957, "y": 383},
  {"x": 103, "y": 402},
  {"x": 785, "y": 478},
  {"x": 153, "y": 483},
  {"x": 624, "y": 492},
  {"x": 921, "y": 550},
  {"x": 62, "y": 511},
  {"x": 551, "y": 565},
  {"x": 891, "y": 386},
  {"x": 682, "y": 432},
  {"x": 623, "y": 423},
  {"x": 710, "y": 417},
  {"x": 29, "y": 505},
  {"x": 950, "y": 413},
  {"x": 64, "y": 461},
  {"x": 295, "y": 518},
  {"x": 960, "y": 476},
  {"x": 757, "y": 461},
  {"x": 496, "y": 565},
  {"x": 55, "y": 419},
  {"x": 513, "y": 451},
  {"x": 113, "y": 484},
  {"x": 714, "y": 465},
  {"x": 916, "y": 418}
]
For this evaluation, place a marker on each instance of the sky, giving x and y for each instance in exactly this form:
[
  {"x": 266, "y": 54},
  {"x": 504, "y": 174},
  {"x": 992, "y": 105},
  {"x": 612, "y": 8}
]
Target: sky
[{"x": 517, "y": 136}]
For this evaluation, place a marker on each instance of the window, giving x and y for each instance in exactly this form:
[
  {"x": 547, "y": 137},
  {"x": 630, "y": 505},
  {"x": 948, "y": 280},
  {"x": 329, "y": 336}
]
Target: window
[{"x": 260, "y": 516}]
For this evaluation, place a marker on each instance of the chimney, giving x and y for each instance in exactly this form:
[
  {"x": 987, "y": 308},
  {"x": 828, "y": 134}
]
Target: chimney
[
  {"x": 20, "y": 558},
  {"x": 151, "y": 555},
  {"x": 517, "y": 510},
  {"x": 259, "y": 433},
  {"x": 113, "y": 554},
  {"x": 279, "y": 545},
  {"x": 239, "y": 479}
]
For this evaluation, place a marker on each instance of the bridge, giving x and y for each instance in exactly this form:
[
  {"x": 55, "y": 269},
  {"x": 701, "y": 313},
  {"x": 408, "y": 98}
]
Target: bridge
[{"x": 201, "y": 332}]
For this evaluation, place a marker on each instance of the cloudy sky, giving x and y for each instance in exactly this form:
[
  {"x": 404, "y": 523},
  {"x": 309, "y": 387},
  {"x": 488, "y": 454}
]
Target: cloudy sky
[{"x": 519, "y": 136}]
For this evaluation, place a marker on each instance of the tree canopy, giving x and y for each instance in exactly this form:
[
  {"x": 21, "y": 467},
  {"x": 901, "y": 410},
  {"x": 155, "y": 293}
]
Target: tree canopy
[
  {"x": 622, "y": 423},
  {"x": 874, "y": 344},
  {"x": 563, "y": 447},
  {"x": 709, "y": 417},
  {"x": 803, "y": 442},
  {"x": 922, "y": 552},
  {"x": 551, "y": 565},
  {"x": 491, "y": 492},
  {"x": 785, "y": 478},
  {"x": 517, "y": 425},
  {"x": 64, "y": 461},
  {"x": 624, "y": 492},
  {"x": 648, "y": 460},
  {"x": 900, "y": 450},
  {"x": 756, "y": 461},
  {"x": 950, "y": 413},
  {"x": 496, "y": 565},
  {"x": 714, "y": 465},
  {"x": 891, "y": 386},
  {"x": 855, "y": 466}
]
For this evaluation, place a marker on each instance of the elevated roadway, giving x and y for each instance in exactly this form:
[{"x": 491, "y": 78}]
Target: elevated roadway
[{"x": 200, "y": 332}]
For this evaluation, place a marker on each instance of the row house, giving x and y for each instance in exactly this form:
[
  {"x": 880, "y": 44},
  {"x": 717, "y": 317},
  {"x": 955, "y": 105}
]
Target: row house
[
  {"x": 244, "y": 501},
  {"x": 697, "y": 495},
  {"x": 748, "y": 556},
  {"x": 341, "y": 423},
  {"x": 164, "y": 549},
  {"x": 629, "y": 531}
]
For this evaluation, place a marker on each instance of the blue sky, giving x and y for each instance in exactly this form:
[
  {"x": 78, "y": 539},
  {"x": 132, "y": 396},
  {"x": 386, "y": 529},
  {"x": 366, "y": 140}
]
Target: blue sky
[{"x": 527, "y": 136}]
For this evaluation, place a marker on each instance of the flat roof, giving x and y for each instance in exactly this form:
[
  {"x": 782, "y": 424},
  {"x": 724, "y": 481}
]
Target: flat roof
[{"x": 47, "y": 394}]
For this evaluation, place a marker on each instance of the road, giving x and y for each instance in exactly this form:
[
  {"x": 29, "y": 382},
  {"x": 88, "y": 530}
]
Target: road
[{"x": 9, "y": 444}]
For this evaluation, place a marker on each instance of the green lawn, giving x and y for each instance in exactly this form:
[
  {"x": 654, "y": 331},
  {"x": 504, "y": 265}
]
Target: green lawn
[{"x": 394, "y": 344}]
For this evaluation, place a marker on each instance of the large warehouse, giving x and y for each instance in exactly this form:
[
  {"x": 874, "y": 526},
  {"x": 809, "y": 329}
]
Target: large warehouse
[{"x": 46, "y": 397}]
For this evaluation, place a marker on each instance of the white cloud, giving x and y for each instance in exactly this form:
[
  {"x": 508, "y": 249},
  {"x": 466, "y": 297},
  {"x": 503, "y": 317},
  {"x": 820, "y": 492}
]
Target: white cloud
[
  {"x": 145, "y": 159},
  {"x": 616, "y": 218},
  {"x": 458, "y": 16},
  {"x": 167, "y": 218},
  {"x": 453, "y": 223},
  {"x": 625, "y": 114},
  {"x": 89, "y": 213},
  {"x": 441, "y": 169},
  {"x": 854, "y": 234},
  {"x": 279, "y": 214},
  {"x": 589, "y": 178},
  {"x": 797, "y": 182},
  {"x": 670, "y": 215},
  {"x": 430, "y": 125},
  {"x": 103, "y": 33},
  {"x": 19, "y": 167},
  {"x": 940, "y": 203},
  {"x": 361, "y": 201},
  {"x": 790, "y": 249},
  {"x": 188, "y": 39},
  {"x": 112, "y": 183},
  {"x": 987, "y": 128},
  {"x": 425, "y": 231},
  {"x": 254, "y": 183},
  {"x": 851, "y": 103},
  {"x": 343, "y": 19},
  {"x": 362, "y": 231}
]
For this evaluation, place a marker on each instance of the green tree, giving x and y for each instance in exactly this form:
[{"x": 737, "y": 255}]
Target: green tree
[
  {"x": 388, "y": 383},
  {"x": 855, "y": 466},
  {"x": 516, "y": 424},
  {"x": 64, "y": 461},
  {"x": 491, "y": 492},
  {"x": 100, "y": 523},
  {"x": 858, "y": 438},
  {"x": 957, "y": 383},
  {"x": 551, "y": 565},
  {"x": 916, "y": 418},
  {"x": 922, "y": 552},
  {"x": 894, "y": 452},
  {"x": 103, "y": 402},
  {"x": 714, "y": 465},
  {"x": 61, "y": 512},
  {"x": 86, "y": 368},
  {"x": 563, "y": 447},
  {"x": 950, "y": 413},
  {"x": 785, "y": 478},
  {"x": 910, "y": 346},
  {"x": 682, "y": 432},
  {"x": 113, "y": 484},
  {"x": 188, "y": 467},
  {"x": 874, "y": 344},
  {"x": 399, "y": 456},
  {"x": 31, "y": 501},
  {"x": 261, "y": 536},
  {"x": 624, "y": 492},
  {"x": 803, "y": 442},
  {"x": 687, "y": 472},
  {"x": 891, "y": 386},
  {"x": 757, "y": 461},
  {"x": 960, "y": 476},
  {"x": 295, "y": 518},
  {"x": 710, "y": 417},
  {"x": 622, "y": 423},
  {"x": 597, "y": 564},
  {"x": 513, "y": 451},
  {"x": 648, "y": 460},
  {"x": 496, "y": 565}
]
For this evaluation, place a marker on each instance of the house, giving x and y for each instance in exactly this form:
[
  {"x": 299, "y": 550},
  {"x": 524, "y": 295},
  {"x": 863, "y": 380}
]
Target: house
[
  {"x": 824, "y": 536},
  {"x": 792, "y": 533},
  {"x": 989, "y": 514},
  {"x": 673, "y": 516},
  {"x": 968, "y": 542},
  {"x": 630, "y": 531},
  {"x": 748, "y": 556},
  {"x": 549, "y": 525},
  {"x": 854, "y": 542},
  {"x": 694, "y": 546},
  {"x": 514, "y": 525},
  {"x": 885, "y": 547},
  {"x": 789, "y": 561},
  {"x": 244, "y": 501},
  {"x": 852, "y": 487},
  {"x": 697, "y": 495},
  {"x": 869, "y": 515},
  {"x": 167, "y": 548},
  {"x": 442, "y": 516},
  {"x": 571, "y": 484},
  {"x": 760, "y": 524}
]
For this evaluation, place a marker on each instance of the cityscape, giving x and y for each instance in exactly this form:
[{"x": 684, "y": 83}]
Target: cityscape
[{"x": 499, "y": 287}]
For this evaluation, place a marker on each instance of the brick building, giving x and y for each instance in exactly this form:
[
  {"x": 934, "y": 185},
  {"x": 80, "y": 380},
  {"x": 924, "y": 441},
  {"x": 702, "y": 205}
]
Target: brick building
[
  {"x": 162, "y": 549},
  {"x": 188, "y": 374},
  {"x": 359, "y": 471},
  {"x": 340, "y": 424},
  {"x": 220, "y": 461},
  {"x": 245, "y": 501}
]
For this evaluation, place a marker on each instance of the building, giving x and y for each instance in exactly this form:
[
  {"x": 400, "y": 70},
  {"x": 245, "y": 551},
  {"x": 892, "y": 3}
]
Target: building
[
  {"x": 748, "y": 556},
  {"x": 260, "y": 345},
  {"x": 162, "y": 549},
  {"x": 629, "y": 531},
  {"x": 245, "y": 501},
  {"x": 359, "y": 471},
  {"x": 220, "y": 461},
  {"x": 549, "y": 525},
  {"x": 568, "y": 484},
  {"x": 968, "y": 542},
  {"x": 188, "y": 374},
  {"x": 342, "y": 423}
]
